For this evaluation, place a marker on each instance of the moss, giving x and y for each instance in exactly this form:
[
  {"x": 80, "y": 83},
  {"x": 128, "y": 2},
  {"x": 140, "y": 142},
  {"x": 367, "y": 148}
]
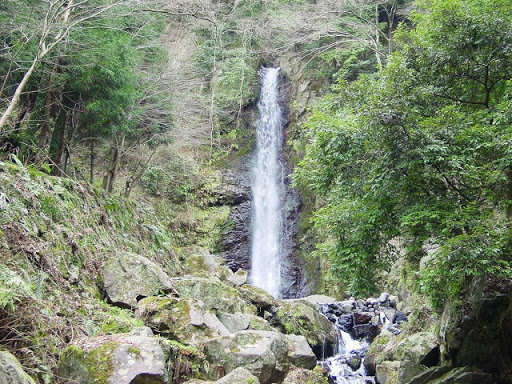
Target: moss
[
  {"x": 93, "y": 367},
  {"x": 134, "y": 351}
]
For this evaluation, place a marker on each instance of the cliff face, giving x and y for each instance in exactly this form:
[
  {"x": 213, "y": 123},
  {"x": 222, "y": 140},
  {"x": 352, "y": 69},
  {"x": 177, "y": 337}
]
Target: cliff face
[{"x": 477, "y": 331}]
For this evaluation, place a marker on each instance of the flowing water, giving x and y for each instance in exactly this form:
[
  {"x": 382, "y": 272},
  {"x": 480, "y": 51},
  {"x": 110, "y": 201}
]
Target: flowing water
[
  {"x": 350, "y": 354},
  {"x": 268, "y": 188}
]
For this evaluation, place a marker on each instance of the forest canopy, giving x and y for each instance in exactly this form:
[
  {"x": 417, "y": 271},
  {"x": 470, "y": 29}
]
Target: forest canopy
[{"x": 420, "y": 152}]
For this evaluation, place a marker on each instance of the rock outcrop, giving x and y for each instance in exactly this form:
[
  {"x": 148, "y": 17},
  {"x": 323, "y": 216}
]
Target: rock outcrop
[
  {"x": 263, "y": 353},
  {"x": 215, "y": 294},
  {"x": 302, "y": 318},
  {"x": 11, "y": 371},
  {"x": 129, "y": 277},
  {"x": 118, "y": 359},
  {"x": 184, "y": 320}
]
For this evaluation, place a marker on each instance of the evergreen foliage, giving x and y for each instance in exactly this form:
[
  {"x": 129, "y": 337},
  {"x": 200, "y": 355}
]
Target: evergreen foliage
[{"x": 420, "y": 151}]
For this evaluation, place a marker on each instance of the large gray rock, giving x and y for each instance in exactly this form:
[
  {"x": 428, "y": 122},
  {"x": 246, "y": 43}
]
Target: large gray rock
[
  {"x": 200, "y": 262},
  {"x": 239, "y": 376},
  {"x": 237, "y": 322},
  {"x": 128, "y": 277},
  {"x": 302, "y": 318},
  {"x": 130, "y": 358},
  {"x": 300, "y": 353},
  {"x": 184, "y": 320},
  {"x": 11, "y": 371},
  {"x": 215, "y": 294},
  {"x": 305, "y": 376},
  {"x": 387, "y": 372},
  {"x": 263, "y": 353},
  {"x": 399, "y": 360}
]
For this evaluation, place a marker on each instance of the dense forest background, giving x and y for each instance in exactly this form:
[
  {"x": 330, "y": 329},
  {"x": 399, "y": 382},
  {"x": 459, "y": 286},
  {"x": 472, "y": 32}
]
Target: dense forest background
[{"x": 399, "y": 131}]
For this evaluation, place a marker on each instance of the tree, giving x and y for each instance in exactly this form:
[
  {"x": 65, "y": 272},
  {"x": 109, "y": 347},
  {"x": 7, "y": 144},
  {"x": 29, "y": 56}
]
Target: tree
[
  {"x": 59, "y": 18},
  {"x": 420, "y": 150}
]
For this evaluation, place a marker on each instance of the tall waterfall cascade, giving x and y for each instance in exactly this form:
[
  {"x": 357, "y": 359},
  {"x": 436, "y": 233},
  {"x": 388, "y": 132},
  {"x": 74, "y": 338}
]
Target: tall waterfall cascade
[{"x": 268, "y": 188}]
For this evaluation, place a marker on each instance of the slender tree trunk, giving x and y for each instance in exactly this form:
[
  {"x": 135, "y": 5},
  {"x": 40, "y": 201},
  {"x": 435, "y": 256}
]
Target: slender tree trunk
[
  {"x": 111, "y": 173},
  {"x": 17, "y": 94},
  {"x": 91, "y": 174},
  {"x": 377, "y": 37}
]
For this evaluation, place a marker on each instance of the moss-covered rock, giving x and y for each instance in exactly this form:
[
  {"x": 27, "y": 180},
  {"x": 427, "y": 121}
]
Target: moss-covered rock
[
  {"x": 135, "y": 357},
  {"x": 213, "y": 293},
  {"x": 186, "y": 361},
  {"x": 258, "y": 297},
  {"x": 302, "y": 318},
  {"x": 305, "y": 376},
  {"x": 300, "y": 353},
  {"x": 400, "y": 358},
  {"x": 11, "y": 370},
  {"x": 128, "y": 277},
  {"x": 239, "y": 376},
  {"x": 200, "y": 262},
  {"x": 183, "y": 320},
  {"x": 264, "y": 354}
]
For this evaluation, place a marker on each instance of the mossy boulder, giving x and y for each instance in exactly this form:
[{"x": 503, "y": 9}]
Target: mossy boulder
[
  {"x": 263, "y": 353},
  {"x": 387, "y": 372},
  {"x": 127, "y": 277},
  {"x": 135, "y": 357},
  {"x": 239, "y": 376},
  {"x": 200, "y": 262},
  {"x": 300, "y": 353},
  {"x": 400, "y": 359},
  {"x": 215, "y": 294},
  {"x": 11, "y": 370},
  {"x": 258, "y": 297},
  {"x": 302, "y": 318},
  {"x": 236, "y": 322},
  {"x": 305, "y": 376},
  {"x": 183, "y": 320},
  {"x": 186, "y": 361}
]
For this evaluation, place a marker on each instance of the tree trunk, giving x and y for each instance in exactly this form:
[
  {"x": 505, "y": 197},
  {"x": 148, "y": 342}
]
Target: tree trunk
[
  {"x": 111, "y": 174},
  {"x": 91, "y": 174},
  {"x": 17, "y": 94}
]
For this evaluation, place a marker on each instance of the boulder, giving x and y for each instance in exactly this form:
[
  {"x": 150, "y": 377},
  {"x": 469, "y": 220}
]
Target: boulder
[
  {"x": 302, "y": 318},
  {"x": 319, "y": 299},
  {"x": 238, "y": 278},
  {"x": 376, "y": 347},
  {"x": 300, "y": 353},
  {"x": 387, "y": 372},
  {"x": 412, "y": 355},
  {"x": 304, "y": 376},
  {"x": 184, "y": 320},
  {"x": 11, "y": 370},
  {"x": 362, "y": 317},
  {"x": 258, "y": 297},
  {"x": 346, "y": 322},
  {"x": 238, "y": 376},
  {"x": 263, "y": 353},
  {"x": 215, "y": 294},
  {"x": 365, "y": 331},
  {"x": 236, "y": 322},
  {"x": 383, "y": 297},
  {"x": 129, "y": 277},
  {"x": 200, "y": 262},
  {"x": 130, "y": 358}
]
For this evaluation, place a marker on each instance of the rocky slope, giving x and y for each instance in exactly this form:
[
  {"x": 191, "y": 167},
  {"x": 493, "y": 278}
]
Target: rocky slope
[{"x": 91, "y": 290}]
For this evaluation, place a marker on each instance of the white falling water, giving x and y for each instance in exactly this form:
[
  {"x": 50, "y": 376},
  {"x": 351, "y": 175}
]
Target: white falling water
[{"x": 268, "y": 188}]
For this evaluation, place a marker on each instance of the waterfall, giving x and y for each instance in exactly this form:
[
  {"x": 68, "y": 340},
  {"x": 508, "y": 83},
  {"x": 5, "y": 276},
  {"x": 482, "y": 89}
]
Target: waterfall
[{"x": 268, "y": 188}]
